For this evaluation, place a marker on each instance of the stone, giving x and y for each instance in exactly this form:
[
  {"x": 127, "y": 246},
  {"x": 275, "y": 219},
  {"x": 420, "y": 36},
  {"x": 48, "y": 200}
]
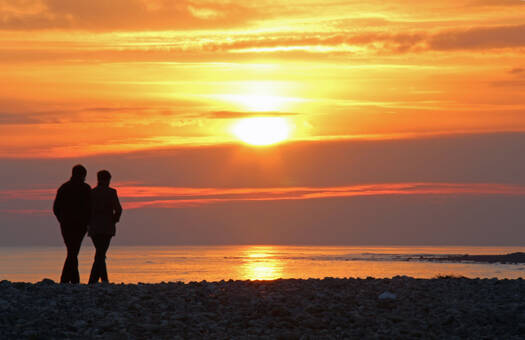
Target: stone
[
  {"x": 387, "y": 296},
  {"x": 46, "y": 282}
]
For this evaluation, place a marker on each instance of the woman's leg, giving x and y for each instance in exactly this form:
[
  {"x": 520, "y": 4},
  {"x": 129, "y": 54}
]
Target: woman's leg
[
  {"x": 95, "y": 269},
  {"x": 104, "y": 247},
  {"x": 98, "y": 271}
]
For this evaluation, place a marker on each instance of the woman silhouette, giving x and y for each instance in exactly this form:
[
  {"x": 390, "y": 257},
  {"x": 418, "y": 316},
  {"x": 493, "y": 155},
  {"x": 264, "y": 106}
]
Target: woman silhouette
[{"x": 105, "y": 213}]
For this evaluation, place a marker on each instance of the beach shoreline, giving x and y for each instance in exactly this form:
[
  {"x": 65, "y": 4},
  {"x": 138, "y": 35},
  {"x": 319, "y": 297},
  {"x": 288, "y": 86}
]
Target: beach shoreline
[{"x": 400, "y": 307}]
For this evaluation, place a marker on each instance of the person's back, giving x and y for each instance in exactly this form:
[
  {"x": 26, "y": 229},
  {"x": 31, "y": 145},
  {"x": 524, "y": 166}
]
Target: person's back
[
  {"x": 105, "y": 211},
  {"x": 72, "y": 204}
]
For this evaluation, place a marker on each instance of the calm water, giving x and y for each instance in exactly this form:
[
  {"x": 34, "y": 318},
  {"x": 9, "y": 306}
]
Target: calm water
[{"x": 133, "y": 264}]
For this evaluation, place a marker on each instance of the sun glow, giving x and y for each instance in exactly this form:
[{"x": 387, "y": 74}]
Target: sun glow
[
  {"x": 261, "y": 265},
  {"x": 262, "y": 130},
  {"x": 258, "y": 102}
]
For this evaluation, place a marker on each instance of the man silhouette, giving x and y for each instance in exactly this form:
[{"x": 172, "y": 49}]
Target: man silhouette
[{"x": 72, "y": 207}]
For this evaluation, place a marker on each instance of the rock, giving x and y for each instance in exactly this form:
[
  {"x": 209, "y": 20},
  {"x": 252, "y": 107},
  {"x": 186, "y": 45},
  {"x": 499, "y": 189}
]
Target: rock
[
  {"x": 80, "y": 324},
  {"x": 387, "y": 296},
  {"x": 46, "y": 282},
  {"x": 4, "y": 304}
]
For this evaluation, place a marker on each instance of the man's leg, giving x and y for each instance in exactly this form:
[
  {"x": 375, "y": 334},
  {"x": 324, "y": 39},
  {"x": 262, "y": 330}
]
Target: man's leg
[
  {"x": 75, "y": 249},
  {"x": 73, "y": 241},
  {"x": 66, "y": 270}
]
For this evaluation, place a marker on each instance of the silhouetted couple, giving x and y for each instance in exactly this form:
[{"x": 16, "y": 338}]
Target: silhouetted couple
[{"x": 79, "y": 209}]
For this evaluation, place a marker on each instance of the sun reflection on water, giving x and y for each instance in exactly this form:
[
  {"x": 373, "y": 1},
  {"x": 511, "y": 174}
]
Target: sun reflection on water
[{"x": 260, "y": 265}]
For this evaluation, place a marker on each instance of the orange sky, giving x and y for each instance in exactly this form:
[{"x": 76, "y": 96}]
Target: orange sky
[
  {"x": 403, "y": 114},
  {"x": 89, "y": 77}
]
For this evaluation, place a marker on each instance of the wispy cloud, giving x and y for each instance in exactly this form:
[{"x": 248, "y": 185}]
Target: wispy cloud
[
  {"x": 479, "y": 38},
  {"x": 136, "y": 197},
  {"x": 188, "y": 197},
  {"x": 38, "y": 212},
  {"x": 10, "y": 118},
  {"x": 160, "y": 42},
  {"x": 24, "y": 117},
  {"x": 496, "y": 3},
  {"x": 474, "y": 38},
  {"x": 27, "y": 194},
  {"x": 103, "y": 15}
]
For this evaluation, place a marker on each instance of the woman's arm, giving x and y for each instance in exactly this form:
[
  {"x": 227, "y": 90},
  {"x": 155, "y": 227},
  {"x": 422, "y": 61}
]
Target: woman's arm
[{"x": 117, "y": 208}]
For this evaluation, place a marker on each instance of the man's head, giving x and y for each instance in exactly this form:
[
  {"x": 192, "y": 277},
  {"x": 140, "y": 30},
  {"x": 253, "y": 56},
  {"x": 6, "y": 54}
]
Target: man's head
[
  {"x": 79, "y": 173},
  {"x": 103, "y": 177}
]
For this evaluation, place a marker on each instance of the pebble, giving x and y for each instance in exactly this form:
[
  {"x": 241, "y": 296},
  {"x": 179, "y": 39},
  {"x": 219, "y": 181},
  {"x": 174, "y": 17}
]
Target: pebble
[
  {"x": 402, "y": 307},
  {"x": 387, "y": 296}
]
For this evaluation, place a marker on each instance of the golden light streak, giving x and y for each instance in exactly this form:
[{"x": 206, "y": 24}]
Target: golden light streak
[
  {"x": 261, "y": 95},
  {"x": 260, "y": 265}
]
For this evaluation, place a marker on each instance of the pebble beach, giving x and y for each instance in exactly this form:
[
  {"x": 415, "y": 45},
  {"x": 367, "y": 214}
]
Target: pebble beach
[{"x": 401, "y": 307}]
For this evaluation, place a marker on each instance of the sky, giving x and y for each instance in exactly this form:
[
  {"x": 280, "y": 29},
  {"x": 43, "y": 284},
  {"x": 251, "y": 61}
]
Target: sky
[{"x": 405, "y": 119}]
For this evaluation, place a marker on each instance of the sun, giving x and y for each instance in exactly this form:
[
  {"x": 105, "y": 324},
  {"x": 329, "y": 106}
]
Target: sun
[{"x": 262, "y": 130}]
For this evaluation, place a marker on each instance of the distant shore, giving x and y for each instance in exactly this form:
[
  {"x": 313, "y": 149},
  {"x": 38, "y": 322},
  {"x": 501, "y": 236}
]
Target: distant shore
[
  {"x": 512, "y": 258},
  {"x": 400, "y": 307}
]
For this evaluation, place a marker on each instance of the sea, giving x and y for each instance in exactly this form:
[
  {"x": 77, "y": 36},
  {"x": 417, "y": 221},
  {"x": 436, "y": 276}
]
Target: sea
[{"x": 154, "y": 264}]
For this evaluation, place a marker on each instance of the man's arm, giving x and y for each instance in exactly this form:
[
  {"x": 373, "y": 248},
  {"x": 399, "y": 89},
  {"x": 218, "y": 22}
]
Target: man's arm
[{"x": 57, "y": 204}]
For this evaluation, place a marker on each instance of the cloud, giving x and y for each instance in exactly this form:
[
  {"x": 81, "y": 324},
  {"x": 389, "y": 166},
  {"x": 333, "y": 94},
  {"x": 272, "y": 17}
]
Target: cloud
[
  {"x": 496, "y": 3},
  {"x": 103, "y": 15},
  {"x": 476, "y": 38},
  {"x": 34, "y": 212},
  {"x": 20, "y": 115},
  {"x": 517, "y": 70},
  {"x": 445, "y": 158},
  {"x": 189, "y": 197},
  {"x": 212, "y": 47},
  {"x": 136, "y": 197},
  {"x": 10, "y": 118},
  {"x": 43, "y": 117},
  {"x": 479, "y": 38},
  {"x": 509, "y": 83},
  {"x": 27, "y": 194}
]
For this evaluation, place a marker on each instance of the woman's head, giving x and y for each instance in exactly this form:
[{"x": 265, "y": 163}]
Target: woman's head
[{"x": 103, "y": 177}]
